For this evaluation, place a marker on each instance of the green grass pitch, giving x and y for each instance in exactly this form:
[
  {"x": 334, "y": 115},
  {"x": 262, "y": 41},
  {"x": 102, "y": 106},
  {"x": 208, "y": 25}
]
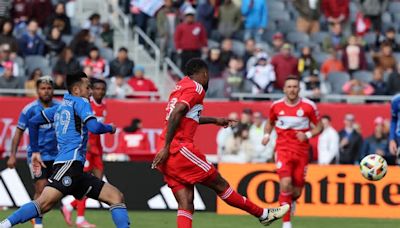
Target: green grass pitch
[{"x": 142, "y": 219}]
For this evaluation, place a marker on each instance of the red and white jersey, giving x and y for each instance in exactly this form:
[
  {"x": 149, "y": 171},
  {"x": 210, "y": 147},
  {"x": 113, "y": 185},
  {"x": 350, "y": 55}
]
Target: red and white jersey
[
  {"x": 290, "y": 119},
  {"x": 100, "y": 112},
  {"x": 191, "y": 93}
]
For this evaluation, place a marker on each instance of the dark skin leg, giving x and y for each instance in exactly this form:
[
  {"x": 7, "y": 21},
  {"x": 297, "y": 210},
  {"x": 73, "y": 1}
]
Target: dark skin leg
[
  {"x": 39, "y": 186},
  {"x": 185, "y": 198},
  {"x": 219, "y": 184}
]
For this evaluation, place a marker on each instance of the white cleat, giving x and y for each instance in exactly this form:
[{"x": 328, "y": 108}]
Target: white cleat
[{"x": 275, "y": 214}]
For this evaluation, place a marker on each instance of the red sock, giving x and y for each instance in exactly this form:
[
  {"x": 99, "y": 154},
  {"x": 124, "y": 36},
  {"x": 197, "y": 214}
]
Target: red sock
[
  {"x": 74, "y": 203},
  {"x": 184, "y": 218},
  {"x": 286, "y": 198},
  {"x": 236, "y": 200},
  {"x": 80, "y": 209}
]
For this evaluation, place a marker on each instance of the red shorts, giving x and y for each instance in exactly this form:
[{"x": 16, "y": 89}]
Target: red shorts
[
  {"x": 93, "y": 161},
  {"x": 292, "y": 165},
  {"x": 187, "y": 167}
]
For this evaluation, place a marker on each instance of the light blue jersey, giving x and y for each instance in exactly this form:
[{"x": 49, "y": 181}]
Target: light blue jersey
[
  {"x": 395, "y": 122},
  {"x": 47, "y": 136},
  {"x": 69, "y": 121}
]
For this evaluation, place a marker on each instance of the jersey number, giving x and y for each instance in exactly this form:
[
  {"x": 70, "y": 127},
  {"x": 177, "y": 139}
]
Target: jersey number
[
  {"x": 63, "y": 120},
  {"x": 171, "y": 107}
]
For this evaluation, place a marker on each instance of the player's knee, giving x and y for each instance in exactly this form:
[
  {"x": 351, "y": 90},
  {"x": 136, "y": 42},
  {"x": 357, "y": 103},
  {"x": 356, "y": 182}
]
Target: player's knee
[
  {"x": 296, "y": 193},
  {"x": 286, "y": 185},
  {"x": 44, "y": 205},
  {"x": 116, "y": 198}
]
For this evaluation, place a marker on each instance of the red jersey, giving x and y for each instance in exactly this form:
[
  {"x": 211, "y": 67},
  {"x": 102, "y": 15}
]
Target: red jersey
[
  {"x": 99, "y": 111},
  {"x": 290, "y": 119},
  {"x": 191, "y": 93},
  {"x": 134, "y": 142},
  {"x": 98, "y": 66}
]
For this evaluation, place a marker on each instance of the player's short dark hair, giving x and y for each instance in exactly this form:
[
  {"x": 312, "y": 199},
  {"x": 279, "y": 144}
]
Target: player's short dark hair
[
  {"x": 94, "y": 81},
  {"x": 46, "y": 80},
  {"x": 74, "y": 78},
  {"x": 194, "y": 66},
  {"x": 293, "y": 77},
  {"x": 326, "y": 117}
]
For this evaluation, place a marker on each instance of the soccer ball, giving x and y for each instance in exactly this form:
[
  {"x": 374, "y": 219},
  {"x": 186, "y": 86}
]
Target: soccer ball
[{"x": 373, "y": 167}]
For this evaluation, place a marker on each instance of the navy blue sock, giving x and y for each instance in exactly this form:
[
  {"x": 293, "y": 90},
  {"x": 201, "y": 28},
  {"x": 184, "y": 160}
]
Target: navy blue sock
[
  {"x": 25, "y": 213},
  {"x": 38, "y": 220},
  {"x": 120, "y": 215}
]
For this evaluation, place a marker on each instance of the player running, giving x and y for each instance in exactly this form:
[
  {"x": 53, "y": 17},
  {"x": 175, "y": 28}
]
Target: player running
[
  {"x": 292, "y": 116},
  {"x": 72, "y": 120},
  {"x": 180, "y": 160},
  {"x": 94, "y": 155},
  {"x": 394, "y": 135},
  {"x": 47, "y": 144}
]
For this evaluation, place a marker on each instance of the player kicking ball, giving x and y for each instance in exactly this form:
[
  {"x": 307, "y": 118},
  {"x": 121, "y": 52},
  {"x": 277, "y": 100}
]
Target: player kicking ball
[
  {"x": 72, "y": 120},
  {"x": 94, "y": 156},
  {"x": 48, "y": 144},
  {"x": 292, "y": 116},
  {"x": 180, "y": 160}
]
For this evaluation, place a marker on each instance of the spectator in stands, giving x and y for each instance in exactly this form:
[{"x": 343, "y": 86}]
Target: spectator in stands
[
  {"x": 7, "y": 57},
  {"x": 354, "y": 56},
  {"x": 277, "y": 42},
  {"x": 394, "y": 81},
  {"x": 250, "y": 48},
  {"x": 373, "y": 10},
  {"x": 350, "y": 142},
  {"x": 239, "y": 148},
  {"x": 261, "y": 153},
  {"x": 121, "y": 65},
  {"x": 246, "y": 117},
  {"x": 215, "y": 65},
  {"x": 66, "y": 63},
  {"x": 8, "y": 81},
  {"x": 54, "y": 43},
  {"x": 133, "y": 140},
  {"x": 107, "y": 35},
  {"x": 328, "y": 143},
  {"x": 118, "y": 88},
  {"x": 306, "y": 63},
  {"x": 234, "y": 76},
  {"x": 41, "y": 10},
  {"x": 6, "y": 36},
  {"x": 206, "y": 14},
  {"x": 390, "y": 38},
  {"x": 167, "y": 20},
  {"x": 285, "y": 64},
  {"x": 226, "y": 132},
  {"x": 262, "y": 75},
  {"x": 385, "y": 58},
  {"x": 357, "y": 87},
  {"x": 229, "y": 19},
  {"x": 336, "y": 40},
  {"x": 21, "y": 12},
  {"x": 141, "y": 84},
  {"x": 309, "y": 14},
  {"x": 31, "y": 43},
  {"x": 60, "y": 20},
  {"x": 82, "y": 43},
  {"x": 331, "y": 64},
  {"x": 190, "y": 38},
  {"x": 226, "y": 51},
  {"x": 337, "y": 12},
  {"x": 378, "y": 142},
  {"x": 379, "y": 85},
  {"x": 93, "y": 25},
  {"x": 88, "y": 70},
  {"x": 312, "y": 88},
  {"x": 252, "y": 61},
  {"x": 59, "y": 82},
  {"x": 255, "y": 15},
  {"x": 99, "y": 65},
  {"x": 30, "y": 84}
]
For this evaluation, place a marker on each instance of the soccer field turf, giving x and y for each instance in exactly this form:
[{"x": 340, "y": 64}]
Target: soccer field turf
[{"x": 210, "y": 220}]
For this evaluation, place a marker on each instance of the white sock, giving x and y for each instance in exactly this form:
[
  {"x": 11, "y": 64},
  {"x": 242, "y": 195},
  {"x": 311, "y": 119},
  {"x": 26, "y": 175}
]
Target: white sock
[
  {"x": 5, "y": 224},
  {"x": 69, "y": 207},
  {"x": 265, "y": 214},
  {"x": 80, "y": 219},
  {"x": 286, "y": 225}
]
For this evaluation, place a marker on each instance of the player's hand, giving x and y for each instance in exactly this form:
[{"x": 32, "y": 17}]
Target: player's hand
[
  {"x": 11, "y": 161},
  {"x": 301, "y": 136},
  {"x": 114, "y": 129},
  {"x": 393, "y": 147},
  {"x": 265, "y": 140},
  {"x": 160, "y": 158},
  {"x": 226, "y": 122},
  {"x": 37, "y": 163}
]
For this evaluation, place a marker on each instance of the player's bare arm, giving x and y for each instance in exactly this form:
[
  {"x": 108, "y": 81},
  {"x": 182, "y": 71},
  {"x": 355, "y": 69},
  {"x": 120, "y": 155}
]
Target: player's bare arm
[
  {"x": 174, "y": 120},
  {"x": 223, "y": 122},
  {"x": 269, "y": 126},
  {"x": 14, "y": 147},
  {"x": 303, "y": 136}
]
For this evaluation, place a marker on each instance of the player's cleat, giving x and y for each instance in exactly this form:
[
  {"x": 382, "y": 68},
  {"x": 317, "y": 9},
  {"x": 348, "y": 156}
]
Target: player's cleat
[
  {"x": 85, "y": 224},
  {"x": 275, "y": 214},
  {"x": 66, "y": 214},
  {"x": 38, "y": 226}
]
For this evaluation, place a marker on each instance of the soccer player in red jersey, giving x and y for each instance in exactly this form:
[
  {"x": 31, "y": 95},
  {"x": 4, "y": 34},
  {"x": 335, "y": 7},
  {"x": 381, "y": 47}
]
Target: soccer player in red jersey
[
  {"x": 180, "y": 160},
  {"x": 292, "y": 117},
  {"x": 94, "y": 155}
]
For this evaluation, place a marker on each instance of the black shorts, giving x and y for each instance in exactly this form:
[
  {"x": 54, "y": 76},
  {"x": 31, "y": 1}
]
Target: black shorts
[
  {"x": 45, "y": 172},
  {"x": 69, "y": 179}
]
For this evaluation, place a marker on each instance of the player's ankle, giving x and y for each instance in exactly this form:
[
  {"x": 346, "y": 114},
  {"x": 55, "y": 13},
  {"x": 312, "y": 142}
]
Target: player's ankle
[
  {"x": 287, "y": 224},
  {"x": 69, "y": 207},
  {"x": 264, "y": 214}
]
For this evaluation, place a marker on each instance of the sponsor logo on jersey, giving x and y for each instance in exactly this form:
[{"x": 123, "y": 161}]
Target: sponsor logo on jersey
[
  {"x": 282, "y": 113},
  {"x": 300, "y": 112}
]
